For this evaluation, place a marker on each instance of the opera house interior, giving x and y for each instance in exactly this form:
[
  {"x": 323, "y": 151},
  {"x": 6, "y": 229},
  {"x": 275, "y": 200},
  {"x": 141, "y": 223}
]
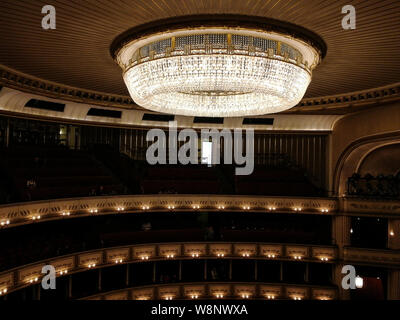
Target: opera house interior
[{"x": 107, "y": 179}]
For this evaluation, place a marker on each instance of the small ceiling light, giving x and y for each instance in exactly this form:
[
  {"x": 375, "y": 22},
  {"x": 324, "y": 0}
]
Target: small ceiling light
[
  {"x": 271, "y": 255},
  {"x": 145, "y": 257},
  {"x": 324, "y": 210},
  {"x": 120, "y": 209},
  {"x": 297, "y": 209},
  {"x": 324, "y": 259},
  {"x": 271, "y": 208},
  {"x": 219, "y": 295},
  {"x": 194, "y": 296},
  {"x": 351, "y": 230},
  {"x": 391, "y": 233},
  {"x": 221, "y": 207},
  {"x": 245, "y": 296},
  {"x": 171, "y": 207},
  {"x": 270, "y": 297},
  {"x": 220, "y": 255}
]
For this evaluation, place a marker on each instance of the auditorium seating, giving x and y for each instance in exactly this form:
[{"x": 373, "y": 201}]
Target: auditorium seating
[
  {"x": 181, "y": 179},
  {"x": 275, "y": 181},
  {"x": 47, "y": 173}
]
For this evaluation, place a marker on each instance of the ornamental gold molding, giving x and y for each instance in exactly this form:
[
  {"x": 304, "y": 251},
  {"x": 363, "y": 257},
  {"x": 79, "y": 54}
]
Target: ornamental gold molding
[
  {"x": 23, "y": 276},
  {"x": 27, "y": 83},
  {"x": 212, "y": 290},
  {"x": 14, "y": 215},
  {"x": 38, "y": 211}
]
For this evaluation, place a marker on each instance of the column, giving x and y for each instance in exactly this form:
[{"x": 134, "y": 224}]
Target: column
[
  {"x": 341, "y": 226},
  {"x": 337, "y": 278},
  {"x": 99, "y": 281},
  {"x": 127, "y": 275},
  {"x": 70, "y": 287},
  {"x": 393, "y": 285}
]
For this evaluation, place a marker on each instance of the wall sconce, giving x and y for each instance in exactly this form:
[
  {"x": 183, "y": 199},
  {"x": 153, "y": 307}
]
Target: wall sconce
[
  {"x": 4, "y": 223},
  {"x": 33, "y": 280},
  {"x": 359, "y": 282}
]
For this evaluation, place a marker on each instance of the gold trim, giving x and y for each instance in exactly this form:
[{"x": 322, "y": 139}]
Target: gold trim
[{"x": 228, "y": 49}]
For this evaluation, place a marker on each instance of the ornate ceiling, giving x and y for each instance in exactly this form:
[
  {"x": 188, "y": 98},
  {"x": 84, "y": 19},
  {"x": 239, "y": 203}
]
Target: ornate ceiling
[{"x": 77, "y": 52}]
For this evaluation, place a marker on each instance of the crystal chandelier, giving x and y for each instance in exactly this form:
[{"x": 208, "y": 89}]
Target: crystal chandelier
[{"x": 218, "y": 70}]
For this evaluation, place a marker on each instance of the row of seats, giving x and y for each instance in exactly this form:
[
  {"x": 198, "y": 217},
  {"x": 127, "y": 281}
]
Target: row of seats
[{"x": 55, "y": 172}]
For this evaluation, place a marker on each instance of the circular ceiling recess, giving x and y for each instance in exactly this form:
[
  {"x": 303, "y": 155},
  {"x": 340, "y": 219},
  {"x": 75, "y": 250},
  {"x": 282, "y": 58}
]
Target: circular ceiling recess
[{"x": 218, "y": 65}]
